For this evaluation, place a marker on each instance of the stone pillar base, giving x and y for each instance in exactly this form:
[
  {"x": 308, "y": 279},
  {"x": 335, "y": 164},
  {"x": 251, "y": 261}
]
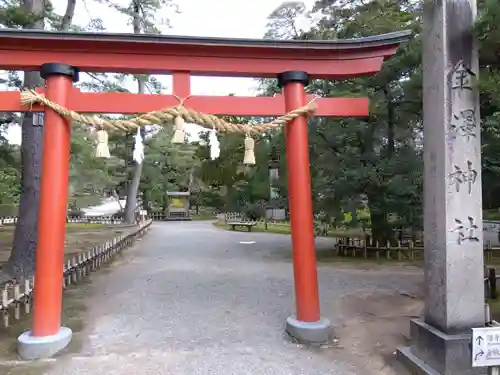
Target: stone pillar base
[
  {"x": 30, "y": 347},
  {"x": 432, "y": 352},
  {"x": 309, "y": 332}
]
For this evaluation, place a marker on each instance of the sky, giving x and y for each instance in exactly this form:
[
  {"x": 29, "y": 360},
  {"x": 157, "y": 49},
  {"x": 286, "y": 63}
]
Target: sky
[{"x": 210, "y": 18}]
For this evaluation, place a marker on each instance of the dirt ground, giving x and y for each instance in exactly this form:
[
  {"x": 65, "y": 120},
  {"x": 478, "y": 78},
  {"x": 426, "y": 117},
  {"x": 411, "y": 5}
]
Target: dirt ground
[
  {"x": 376, "y": 325},
  {"x": 74, "y": 315},
  {"x": 76, "y": 302}
]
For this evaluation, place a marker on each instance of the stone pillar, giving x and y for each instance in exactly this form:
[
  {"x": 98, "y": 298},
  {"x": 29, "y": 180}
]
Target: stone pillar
[{"x": 454, "y": 288}]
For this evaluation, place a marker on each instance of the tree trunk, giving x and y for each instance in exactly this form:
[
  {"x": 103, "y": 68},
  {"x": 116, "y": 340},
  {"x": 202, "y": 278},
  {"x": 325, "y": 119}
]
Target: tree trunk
[
  {"x": 67, "y": 19},
  {"x": 133, "y": 187},
  {"x": 21, "y": 262},
  {"x": 146, "y": 199},
  {"x": 381, "y": 229},
  {"x": 229, "y": 198},
  {"x": 353, "y": 208},
  {"x": 165, "y": 204},
  {"x": 391, "y": 124},
  {"x": 117, "y": 197}
]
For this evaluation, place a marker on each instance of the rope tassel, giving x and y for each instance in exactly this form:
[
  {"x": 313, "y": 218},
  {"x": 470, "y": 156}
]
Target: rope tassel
[
  {"x": 249, "y": 158},
  {"x": 214, "y": 145},
  {"x": 179, "y": 130},
  {"x": 102, "y": 149}
]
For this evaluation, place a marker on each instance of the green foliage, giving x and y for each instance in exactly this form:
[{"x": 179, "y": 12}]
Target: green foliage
[
  {"x": 13, "y": 15},
  {"x": 371, "y": 163},
  {"x": 9, "y": 185},
  {"x": 283, "y": 21},
  {"x": 377, "y": 159},
  {"x": 487, "y": 31},
  {"x": 229, "y": 185},
  {"x": 167, "y": 167},
  {"x": 88, "y": 174}
]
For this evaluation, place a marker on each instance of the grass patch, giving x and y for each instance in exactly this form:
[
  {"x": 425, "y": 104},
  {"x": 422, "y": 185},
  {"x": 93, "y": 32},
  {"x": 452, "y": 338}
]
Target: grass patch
[
  {"x": 74, "y": 312},
  {"x": 284, "y": 228},
  {"x": 271, "y": 228},
  {"x": 84, "y": 201},
  {"x": 9, "y": 229},
  {"x": 72, "y": 316},
  {"x": 278, "y": 228},
  {"x": 79, "y": 238},
  {"x": 203, "y": 216},
  {"x": 329, "y": 256},
  {"x": 84, "y": 226}
]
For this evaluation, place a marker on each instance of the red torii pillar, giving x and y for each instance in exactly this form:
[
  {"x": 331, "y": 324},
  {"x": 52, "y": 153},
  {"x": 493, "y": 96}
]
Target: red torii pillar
[
  {"x": 47, "y": 337},
  {"x": 307, "y": 324}
]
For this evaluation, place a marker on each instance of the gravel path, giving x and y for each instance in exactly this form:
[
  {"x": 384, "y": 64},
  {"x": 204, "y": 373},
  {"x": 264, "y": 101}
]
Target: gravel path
[{"x": 191, "y": 299}]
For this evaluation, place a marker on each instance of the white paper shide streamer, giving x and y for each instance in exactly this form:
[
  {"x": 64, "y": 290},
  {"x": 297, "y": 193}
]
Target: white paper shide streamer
[
  {"x": 138, "y": 154},
  {"x": 214, "y": 145}
]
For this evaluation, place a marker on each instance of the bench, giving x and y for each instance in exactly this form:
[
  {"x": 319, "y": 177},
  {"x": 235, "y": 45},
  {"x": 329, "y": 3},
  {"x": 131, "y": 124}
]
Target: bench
[{"x": 244, "y": 224}]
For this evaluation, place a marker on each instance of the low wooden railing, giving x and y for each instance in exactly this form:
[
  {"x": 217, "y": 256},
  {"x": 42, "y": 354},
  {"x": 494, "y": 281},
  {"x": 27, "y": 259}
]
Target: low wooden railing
[
  {"x": 400, "y": 250},
  {"x": 108, "y": 219},
  {"x": 95, "y": 220},
  {"x": 16, "y": 298},
  {"x": 356, "y": 247},
  {"x": 157, "y": 216}
]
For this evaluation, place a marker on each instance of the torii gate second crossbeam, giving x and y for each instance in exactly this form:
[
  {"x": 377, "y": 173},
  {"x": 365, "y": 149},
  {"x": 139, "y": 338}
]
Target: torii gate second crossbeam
[{"x": 60, "y": 56}]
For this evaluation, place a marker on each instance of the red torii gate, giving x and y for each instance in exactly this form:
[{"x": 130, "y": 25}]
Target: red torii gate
[{"x": 59, "y": 57}]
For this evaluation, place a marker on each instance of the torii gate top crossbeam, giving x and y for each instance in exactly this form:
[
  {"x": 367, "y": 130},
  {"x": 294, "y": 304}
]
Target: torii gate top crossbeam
[{"x": 159, "y": 54}]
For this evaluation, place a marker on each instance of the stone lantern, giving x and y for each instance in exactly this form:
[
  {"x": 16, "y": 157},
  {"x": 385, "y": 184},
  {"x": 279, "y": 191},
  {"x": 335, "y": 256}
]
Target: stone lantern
[{"x": 275, "y": 210}]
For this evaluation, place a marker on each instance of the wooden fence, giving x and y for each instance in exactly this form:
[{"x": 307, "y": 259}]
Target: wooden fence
[
  {"x": 16, "y": 299},
  {"x": 230, "y": 216},
  {"x": 8, "y": 220},
  {"x": 490, "y": 282},
  {"x": 227, "y": 217},
  {"x": 400, "y": 250},
  {"x": 12, "y": 220},
  {"x": 161, "y": 216},
  {"x": 356, "y": 247},
  {"x": 95, "y": 220},
  {"x": 157, "y": 216},
  {"x": 410, "y": 250}
]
